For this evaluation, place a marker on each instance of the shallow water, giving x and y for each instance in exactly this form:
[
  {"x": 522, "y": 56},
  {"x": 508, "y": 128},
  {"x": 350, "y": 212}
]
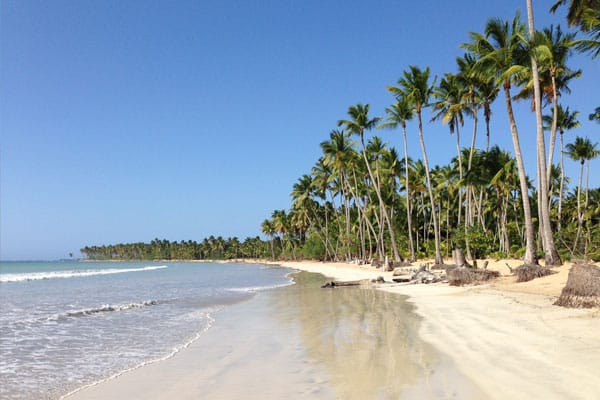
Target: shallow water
[
  {"x": 68, "y": 324},
  {"x": 302, "y": 342}
]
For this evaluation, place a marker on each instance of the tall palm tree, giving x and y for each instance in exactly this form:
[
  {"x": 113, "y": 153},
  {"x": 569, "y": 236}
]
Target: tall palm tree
[
  {"x": 400, "y": 113},
  {"x": 555, "y": 48},
  {"x": 415, "y": 87},
  {"x": 358, "y": 123},
  {"x": 562, "y": 120},
  {"x": 582, "y": 150},
  {"x": 268, "y": 228},
  {"x": 502, "y": 54},
  {"x": 552, "y": 256},
  {"x": 450, "y": 108}
]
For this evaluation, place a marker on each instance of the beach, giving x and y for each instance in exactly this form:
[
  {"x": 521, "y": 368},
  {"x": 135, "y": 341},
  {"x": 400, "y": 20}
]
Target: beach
[
  {"x": 507, "y": 337},
  {"x": 301, "y": 342},
  {"x": 496, "y": 341}
]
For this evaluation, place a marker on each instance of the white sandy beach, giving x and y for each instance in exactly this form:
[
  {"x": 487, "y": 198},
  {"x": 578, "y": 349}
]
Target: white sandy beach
[{"x": 507, "y": 339}]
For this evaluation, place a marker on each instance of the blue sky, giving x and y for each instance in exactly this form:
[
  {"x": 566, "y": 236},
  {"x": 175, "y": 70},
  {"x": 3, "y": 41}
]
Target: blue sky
[{"x": 123, "y": 121}]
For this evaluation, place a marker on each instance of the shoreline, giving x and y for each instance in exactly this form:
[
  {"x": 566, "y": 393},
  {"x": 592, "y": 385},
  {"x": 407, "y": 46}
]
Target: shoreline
[
  {"x": 507, "y": 337},
  {"x": 311, "y": 344}
]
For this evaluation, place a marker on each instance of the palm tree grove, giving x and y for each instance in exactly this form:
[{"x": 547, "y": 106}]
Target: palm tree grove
[{"x": 366, "y": 201}]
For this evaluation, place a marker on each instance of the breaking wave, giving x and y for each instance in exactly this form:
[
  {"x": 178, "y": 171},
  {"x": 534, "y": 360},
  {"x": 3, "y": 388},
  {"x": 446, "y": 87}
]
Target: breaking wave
[
  {"x": 36, "y": 276},
  {"x": 104, "y": 308}
]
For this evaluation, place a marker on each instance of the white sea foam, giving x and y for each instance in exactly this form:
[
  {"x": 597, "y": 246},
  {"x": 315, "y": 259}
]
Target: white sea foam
[
  {"x": 209, "y": 324},
  {"x": 36, "y": 276},
  {"x": 104, "y": 308}
]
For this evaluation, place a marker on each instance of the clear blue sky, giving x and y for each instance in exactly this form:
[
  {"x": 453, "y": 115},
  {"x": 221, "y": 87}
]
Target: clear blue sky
[{"x": 123, "y": 121}]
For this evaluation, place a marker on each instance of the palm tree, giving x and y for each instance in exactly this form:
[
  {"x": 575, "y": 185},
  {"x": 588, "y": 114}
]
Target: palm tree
[
  {"x": 586, "y": 15},
  {"x": 358, "y": 123},
  {"x": 559, "y": 48},
  {"x": 562, "y": 120},
  {"x": 582, "y": 150},
  {"x": 501, "y": 53},
  {"x": 552, "y": 256},
  {"x": 595, "y": 116},
  {"x": 415, "y": 87},
  {"x": 398, "y": 114},
  {"x": 268, "y": 228},
  {"x": 450, "y": 108}
]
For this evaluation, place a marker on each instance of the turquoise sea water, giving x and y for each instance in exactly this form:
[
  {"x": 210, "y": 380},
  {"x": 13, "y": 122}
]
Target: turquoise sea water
[{"x": 64, "y": 325}]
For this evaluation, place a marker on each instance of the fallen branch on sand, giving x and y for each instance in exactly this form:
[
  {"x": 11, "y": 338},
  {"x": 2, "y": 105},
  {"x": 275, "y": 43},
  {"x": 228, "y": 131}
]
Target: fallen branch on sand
[{"x": 362, "y": 282}]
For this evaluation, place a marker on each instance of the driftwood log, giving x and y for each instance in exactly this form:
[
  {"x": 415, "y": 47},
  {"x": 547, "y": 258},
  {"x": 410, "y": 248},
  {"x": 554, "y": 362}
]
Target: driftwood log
[{"x": 361, "y": 282}]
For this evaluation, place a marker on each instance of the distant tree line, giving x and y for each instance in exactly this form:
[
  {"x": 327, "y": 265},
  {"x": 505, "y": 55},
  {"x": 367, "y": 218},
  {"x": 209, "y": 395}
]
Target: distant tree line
[{"x": 211, "y": 248}]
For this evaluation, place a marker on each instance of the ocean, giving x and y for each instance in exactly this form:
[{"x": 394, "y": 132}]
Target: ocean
[{"x": 65, "y": 325}]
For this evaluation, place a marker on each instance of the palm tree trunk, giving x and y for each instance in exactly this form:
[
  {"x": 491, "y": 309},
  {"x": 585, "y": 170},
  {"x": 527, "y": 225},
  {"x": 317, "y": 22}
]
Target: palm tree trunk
[
  {"x": 579, "y": 213},
  {"x": 460, "y": 173},
  {"x": 552, "y": 256},
  {"x": 381, "y": 205},
  {"x": 530, "y": 256},
  {"x": 552, "y": 129},
  {"x": 436, "y": 228},
  {"x": 562, "y": 183},
  {"x": 411, "y": 245}
]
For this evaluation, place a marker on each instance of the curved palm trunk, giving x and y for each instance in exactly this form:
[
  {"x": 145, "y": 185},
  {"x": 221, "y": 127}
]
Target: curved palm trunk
[
  {"x": 436, "y": 228},
  {"x": 552, "y": 257},
  {"x": 530, "y": 257},
  {"x": 411, "y": 245}
]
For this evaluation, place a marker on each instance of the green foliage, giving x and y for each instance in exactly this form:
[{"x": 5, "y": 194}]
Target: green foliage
[
  {"x": 210, "y": 248},
  {"x": 480, "y": 242},
  {"x": 313, "y": 248},
  {"x": 498, "y": 255}
]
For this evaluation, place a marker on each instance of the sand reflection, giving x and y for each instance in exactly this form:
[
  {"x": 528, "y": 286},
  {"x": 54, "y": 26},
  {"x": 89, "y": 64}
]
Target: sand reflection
[{"x": 365, "y": 339}]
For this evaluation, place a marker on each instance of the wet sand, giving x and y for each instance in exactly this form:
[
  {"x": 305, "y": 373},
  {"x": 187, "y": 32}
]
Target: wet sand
[
  {"x": 302, "y": 342},
  {"x": 507, "y": 337}
]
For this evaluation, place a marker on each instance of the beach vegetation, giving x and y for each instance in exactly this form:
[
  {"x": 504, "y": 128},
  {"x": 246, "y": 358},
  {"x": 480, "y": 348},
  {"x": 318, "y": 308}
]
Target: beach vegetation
[
  {"x": 363, "y": 200},
  {"x": 369, "y": 202}
]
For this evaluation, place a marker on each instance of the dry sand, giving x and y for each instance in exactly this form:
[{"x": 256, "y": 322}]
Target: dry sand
[{"x": 507, "y": 337}]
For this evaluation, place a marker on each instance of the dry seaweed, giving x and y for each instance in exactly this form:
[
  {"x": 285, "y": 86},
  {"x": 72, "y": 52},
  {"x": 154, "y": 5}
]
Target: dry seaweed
[
  {"x": 467, "y": 276},
  {"x": 582, "y": 289},
  {"x": 529, "y": 272}
]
